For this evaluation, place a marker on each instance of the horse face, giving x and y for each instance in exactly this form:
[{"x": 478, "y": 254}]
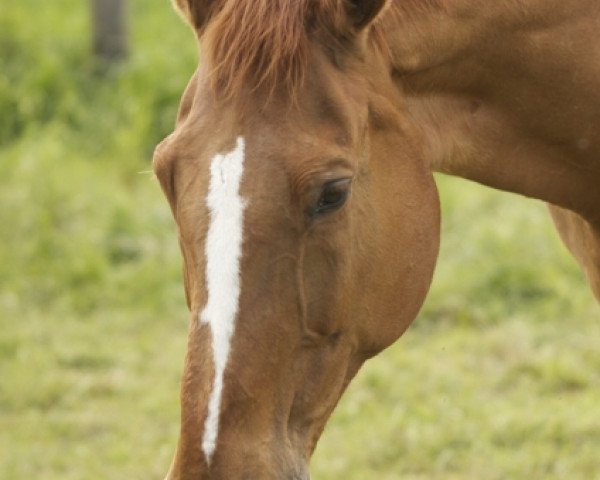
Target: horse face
[{"x": 309, "y": 232}]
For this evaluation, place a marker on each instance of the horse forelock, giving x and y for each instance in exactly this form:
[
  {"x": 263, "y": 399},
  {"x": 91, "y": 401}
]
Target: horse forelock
[{"x": 253, "y": 45}]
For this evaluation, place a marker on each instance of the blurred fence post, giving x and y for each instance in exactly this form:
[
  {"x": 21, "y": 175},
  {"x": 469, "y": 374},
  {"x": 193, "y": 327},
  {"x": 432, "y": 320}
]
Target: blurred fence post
[{"x": 109, "y": 23}]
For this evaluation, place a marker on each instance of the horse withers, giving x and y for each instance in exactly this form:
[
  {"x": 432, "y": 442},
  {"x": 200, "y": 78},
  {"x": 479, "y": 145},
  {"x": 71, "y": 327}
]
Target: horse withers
[{"x": 299, "y": 175}]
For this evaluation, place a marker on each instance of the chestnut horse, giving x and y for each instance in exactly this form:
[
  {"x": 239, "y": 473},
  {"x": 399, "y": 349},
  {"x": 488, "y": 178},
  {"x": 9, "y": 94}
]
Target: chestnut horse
[{"x": 300, "y": 177}]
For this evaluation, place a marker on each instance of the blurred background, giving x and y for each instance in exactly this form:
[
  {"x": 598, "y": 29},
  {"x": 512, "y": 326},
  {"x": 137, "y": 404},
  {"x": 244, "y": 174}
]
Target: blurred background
[{"x": 498, "y": 378}]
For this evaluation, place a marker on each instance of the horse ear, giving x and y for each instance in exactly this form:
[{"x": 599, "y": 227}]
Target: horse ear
[
  {"x": 363, "y": 12},
  {"x": 197, "y": 12}
]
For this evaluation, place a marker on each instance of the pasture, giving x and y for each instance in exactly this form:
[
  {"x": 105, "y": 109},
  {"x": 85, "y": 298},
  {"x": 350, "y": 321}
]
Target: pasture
[{"x": 499, "y": 377}]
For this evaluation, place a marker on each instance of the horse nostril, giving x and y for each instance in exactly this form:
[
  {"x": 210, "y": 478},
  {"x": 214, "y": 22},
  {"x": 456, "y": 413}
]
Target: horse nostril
[{"x": 335, "y": 337}]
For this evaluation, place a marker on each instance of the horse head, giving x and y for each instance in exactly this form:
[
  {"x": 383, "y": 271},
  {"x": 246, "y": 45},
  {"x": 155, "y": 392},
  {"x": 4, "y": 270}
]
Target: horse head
[{"x": 308, "y": 221}]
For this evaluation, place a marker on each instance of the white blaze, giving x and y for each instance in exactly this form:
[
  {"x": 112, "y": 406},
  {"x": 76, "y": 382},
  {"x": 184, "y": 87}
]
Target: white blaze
[{"x": 223, "y": 252}]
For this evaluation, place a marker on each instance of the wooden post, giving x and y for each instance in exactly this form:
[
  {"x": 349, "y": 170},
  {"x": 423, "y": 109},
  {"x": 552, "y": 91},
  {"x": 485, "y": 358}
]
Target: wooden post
[{"x": 109, "y": 21}]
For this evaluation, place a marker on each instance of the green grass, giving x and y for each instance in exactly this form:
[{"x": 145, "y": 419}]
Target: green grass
[{"x": 499, "y": 378}]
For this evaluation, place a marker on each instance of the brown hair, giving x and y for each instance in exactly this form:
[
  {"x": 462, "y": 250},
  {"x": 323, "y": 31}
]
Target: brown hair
[{"x": 263, "y": 44}]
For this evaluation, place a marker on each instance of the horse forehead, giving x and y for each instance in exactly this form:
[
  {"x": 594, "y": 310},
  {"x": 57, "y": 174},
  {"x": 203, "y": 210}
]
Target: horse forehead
[
  {"x": 279, "y": 138},
  {"x": 325, "y": 112},
  {"x": 320, "y": 125}
]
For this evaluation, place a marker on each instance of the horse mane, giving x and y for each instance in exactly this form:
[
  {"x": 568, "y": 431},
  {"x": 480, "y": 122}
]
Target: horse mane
[{"x": 263, "y": 44}]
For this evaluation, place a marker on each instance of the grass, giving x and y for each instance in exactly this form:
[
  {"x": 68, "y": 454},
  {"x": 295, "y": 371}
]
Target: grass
[{"x": 499, "y": 378}]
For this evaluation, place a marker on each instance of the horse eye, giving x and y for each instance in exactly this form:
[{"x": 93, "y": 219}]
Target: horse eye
[{"x": 333, "y": 196}]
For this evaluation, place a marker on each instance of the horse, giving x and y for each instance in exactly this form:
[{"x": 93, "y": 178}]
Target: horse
[{"x": 300, "y": 176}]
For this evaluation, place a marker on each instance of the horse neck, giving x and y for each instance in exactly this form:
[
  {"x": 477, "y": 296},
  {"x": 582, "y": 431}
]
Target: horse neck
[{"x": 494, "y": 91}]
